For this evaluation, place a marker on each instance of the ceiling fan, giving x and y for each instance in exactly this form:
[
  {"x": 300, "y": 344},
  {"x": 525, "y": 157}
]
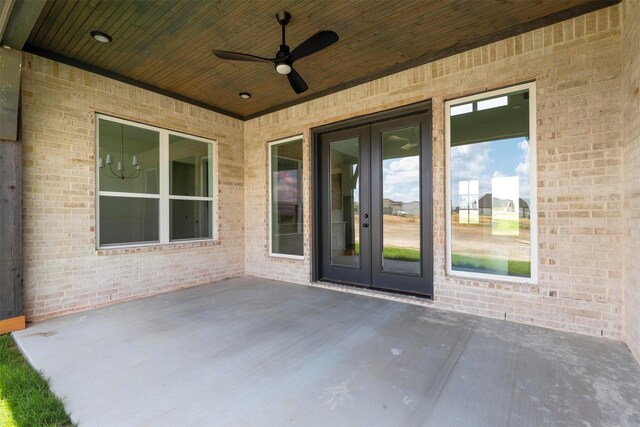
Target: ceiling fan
[
  {"x": 284, "y": 58},
  {"x": 407, "y": 146}
]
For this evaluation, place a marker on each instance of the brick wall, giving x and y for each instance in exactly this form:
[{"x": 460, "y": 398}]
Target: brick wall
[
  {"x": 631, "y": 155},
  {"x": 577, "y": 68},
  {"x": 63, "y": 271}
]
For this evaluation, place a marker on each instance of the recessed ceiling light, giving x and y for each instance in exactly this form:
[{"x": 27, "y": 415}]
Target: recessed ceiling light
[
  {"x": 101, "y": 37},
  {"x": 245, "y": 95}
]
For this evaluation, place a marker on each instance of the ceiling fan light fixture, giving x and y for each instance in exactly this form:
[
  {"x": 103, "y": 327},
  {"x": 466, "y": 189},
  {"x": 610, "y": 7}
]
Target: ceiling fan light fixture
[
  {"x": 283, "y": 68},
  {"x": 101, "y": 37},
  {"x": 244, "y": 95}
]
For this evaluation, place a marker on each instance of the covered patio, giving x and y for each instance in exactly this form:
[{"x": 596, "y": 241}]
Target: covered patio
[
  {"x": 252, "y": 351},
  {"x": 335, "y": 213}
]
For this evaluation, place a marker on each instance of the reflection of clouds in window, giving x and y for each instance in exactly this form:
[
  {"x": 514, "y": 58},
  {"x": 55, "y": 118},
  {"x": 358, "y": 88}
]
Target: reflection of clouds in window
[
  {"x": 401, "y": 179},
  {"x": 471, "y": 161},
  {"x": 486, "y": 160}
]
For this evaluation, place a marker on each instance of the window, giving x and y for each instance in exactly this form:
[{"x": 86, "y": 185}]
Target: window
[
  {"x": 491, "y": 191},
  {"x": 285, "y": 183},
  {"x": 154, "y": 185}
]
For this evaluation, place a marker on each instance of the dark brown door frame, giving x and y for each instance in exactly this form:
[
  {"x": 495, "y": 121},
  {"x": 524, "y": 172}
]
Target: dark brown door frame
[
  {"x": 395, "y": 280},
  {"x": 426, "y": 192},
  {"x": 347, "y": 273}
]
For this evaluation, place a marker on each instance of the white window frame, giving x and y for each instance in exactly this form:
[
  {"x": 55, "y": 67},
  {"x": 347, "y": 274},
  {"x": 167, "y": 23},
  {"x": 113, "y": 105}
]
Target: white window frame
[
  {"x": 533, "y": 208},
  {"x": 163, "y": 196},
  {"x": 270, "y": 195}
]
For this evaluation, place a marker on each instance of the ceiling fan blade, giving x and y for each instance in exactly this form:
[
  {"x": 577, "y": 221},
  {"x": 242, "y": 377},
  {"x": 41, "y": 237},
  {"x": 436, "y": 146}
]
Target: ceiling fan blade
[
  {"x": 297, "y": 82},
  {"x": 235, "y": 56},
  {"x": 316, "y": 42}
]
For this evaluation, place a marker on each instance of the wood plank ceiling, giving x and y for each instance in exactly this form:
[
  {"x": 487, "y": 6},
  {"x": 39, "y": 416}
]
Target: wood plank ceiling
[{"x": 166, "y": 45}]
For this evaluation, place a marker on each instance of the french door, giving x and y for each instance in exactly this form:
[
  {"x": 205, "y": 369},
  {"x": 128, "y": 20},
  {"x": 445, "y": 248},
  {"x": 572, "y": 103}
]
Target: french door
[{"x": 375, "y": 205}]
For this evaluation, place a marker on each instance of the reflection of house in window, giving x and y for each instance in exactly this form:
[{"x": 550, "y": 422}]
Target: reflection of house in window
[
  {"x": 411, "y": 208},
  {"x": 391, "y": 207},
  {"x": 487, "y": 201}
]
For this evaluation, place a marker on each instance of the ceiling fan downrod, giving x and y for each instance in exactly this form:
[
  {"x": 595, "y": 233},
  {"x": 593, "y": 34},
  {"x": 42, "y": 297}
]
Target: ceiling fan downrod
[{"x": 282, "y": 65}]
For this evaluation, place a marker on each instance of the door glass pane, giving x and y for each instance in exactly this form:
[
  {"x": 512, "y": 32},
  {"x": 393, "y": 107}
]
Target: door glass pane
[
  {"x": 131, "y": 152},
  {"x": 125, "y": 220},
  {"x": 190, "y": 167},
  {"x": 190, "y": 219},
  {"x": 401, "y": 200},
  {"x": 345, "y": 219},
  {"x": 286, "y": 198}
]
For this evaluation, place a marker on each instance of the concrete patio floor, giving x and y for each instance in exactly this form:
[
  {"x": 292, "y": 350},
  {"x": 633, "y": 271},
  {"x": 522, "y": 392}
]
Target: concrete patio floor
[{"x": 250, "y": 352}]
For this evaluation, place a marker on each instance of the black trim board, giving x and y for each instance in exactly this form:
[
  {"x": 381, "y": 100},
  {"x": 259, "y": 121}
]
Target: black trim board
[{"x": 124, "y": 79}]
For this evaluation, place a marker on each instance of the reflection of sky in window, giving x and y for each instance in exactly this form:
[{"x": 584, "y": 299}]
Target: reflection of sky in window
[
  {"x": 401, "y": 179},
  {"x": 486, "y": 160},
  {"x": 286, "y": 185}
]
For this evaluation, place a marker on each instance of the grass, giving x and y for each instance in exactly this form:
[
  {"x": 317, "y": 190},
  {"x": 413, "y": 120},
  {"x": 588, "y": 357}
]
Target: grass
[
  {"x": 399, "y": 254},
  {"x": 490, "y": 265},
  {"x": 25, "y": 398},
  {"x": 464, "y": 262}
]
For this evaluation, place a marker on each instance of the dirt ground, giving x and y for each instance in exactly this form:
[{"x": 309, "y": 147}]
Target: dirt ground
[
  {"x": 400, "y": 232},
  {"x": 471, "y": 239},
  {"x": 404, "y": 232}
]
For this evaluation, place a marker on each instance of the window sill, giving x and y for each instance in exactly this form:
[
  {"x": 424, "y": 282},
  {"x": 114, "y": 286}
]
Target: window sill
[
  {"x": 155, "y": 247},
  {"x": 289, "y": 257},
  {"x": 530, "y": 284}
]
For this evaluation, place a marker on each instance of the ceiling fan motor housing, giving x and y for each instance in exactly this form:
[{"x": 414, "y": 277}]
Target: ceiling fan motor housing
[{"x": 283, "y": 65}]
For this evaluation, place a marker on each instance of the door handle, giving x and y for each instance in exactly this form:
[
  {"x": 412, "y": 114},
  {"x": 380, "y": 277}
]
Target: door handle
[{"x": 365, "y": 225}]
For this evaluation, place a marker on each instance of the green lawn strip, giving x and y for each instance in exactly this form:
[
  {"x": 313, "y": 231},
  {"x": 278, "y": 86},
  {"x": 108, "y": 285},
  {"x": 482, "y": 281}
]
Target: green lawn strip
[
  {"x": 399, "y": 254},
  {"x": 25, "y": 398},
  {"x": 490, "y": 265},
  {"x": 466, "y": 262}
]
